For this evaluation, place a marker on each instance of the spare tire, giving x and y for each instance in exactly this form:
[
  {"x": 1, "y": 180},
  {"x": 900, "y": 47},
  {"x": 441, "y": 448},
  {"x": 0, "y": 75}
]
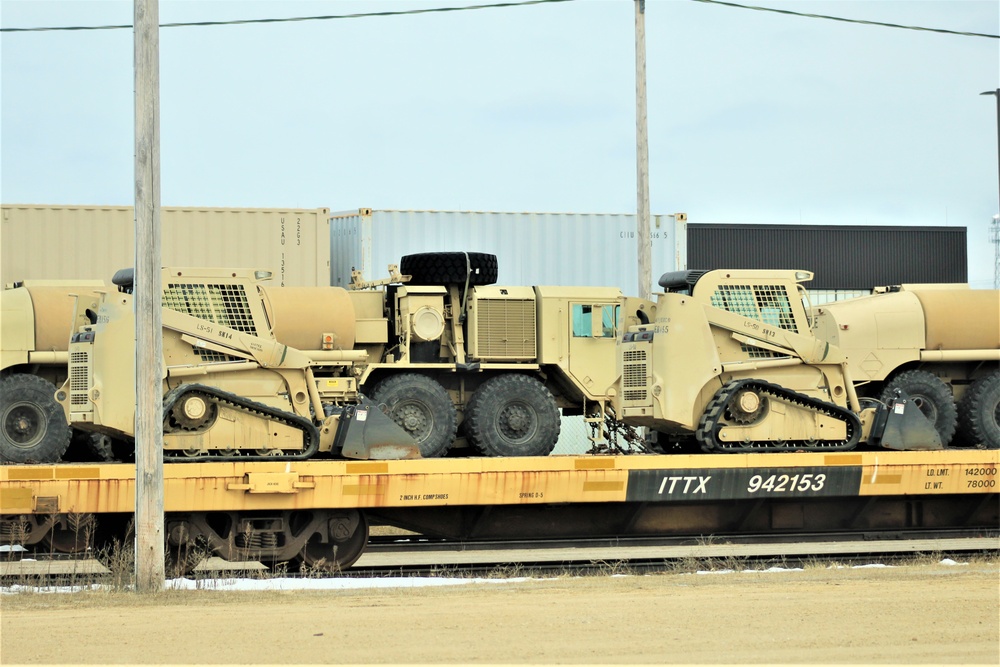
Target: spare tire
[{"x": 444, "y": 268}]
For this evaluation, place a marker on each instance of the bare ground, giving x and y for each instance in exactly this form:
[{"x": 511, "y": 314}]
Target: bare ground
[{"x": 916, "y": 614}]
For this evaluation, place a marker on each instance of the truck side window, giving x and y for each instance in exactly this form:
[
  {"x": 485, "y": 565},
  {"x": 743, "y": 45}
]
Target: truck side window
[
  {"x": 582, "y": 318},
  {"x": 584, "y": 322}
]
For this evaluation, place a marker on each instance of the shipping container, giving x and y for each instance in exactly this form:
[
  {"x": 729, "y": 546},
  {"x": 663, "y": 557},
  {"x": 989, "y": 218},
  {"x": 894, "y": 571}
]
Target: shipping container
[
  {"x": 92, "y": 242},
  {"x": 569, "y": 249}
]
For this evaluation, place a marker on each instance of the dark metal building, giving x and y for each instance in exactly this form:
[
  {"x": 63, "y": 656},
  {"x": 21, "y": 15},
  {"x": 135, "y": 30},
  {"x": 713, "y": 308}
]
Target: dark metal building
[{"x": 842, "y": 257}]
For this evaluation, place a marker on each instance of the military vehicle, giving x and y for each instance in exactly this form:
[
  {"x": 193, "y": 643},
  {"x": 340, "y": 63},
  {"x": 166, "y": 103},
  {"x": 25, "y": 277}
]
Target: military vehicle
[
  {"x": 731, "y": 364},
  {"x": 938, "y": 343},
  {"x": 36, "y": 320},
  {"x": 257, "y": 371}
]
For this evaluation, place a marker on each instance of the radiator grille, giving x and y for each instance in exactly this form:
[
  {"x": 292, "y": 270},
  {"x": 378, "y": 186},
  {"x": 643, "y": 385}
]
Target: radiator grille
[
  {"x": 212, "y": 357},
  {"x": 634, "y": 374},
  {"x": 505, "y": 329},
  {"x": 225, "y": 305},
  {"x": 79, "y": 378},
  {"x": 759, "y": 353},
  {"x": 766, "y": 303}
]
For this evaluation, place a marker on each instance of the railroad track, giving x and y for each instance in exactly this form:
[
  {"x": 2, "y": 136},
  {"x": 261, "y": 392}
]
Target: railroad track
[
  {"x": 394, "y": 557},
  {"x": 385, "y": 557}
]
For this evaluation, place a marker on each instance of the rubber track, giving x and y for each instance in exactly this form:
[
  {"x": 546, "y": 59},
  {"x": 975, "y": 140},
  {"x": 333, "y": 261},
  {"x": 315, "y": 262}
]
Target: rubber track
[
  {"x": 710, "y": 422},
  {"x": 253, "y": 408}
]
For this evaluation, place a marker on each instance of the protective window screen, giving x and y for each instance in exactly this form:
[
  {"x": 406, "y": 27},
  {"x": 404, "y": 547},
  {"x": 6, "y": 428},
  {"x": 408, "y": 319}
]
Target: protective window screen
[
  {"x": 767, "y": 303},
  {"x": 225, "y": 305}
]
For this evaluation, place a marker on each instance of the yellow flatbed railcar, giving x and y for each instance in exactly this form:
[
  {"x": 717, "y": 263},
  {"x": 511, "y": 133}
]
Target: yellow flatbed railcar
[{"x": 319, "y": 511}]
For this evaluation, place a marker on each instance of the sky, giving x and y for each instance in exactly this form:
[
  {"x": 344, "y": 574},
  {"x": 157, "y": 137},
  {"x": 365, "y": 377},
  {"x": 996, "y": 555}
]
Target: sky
[{"x": 753, "y": 117}]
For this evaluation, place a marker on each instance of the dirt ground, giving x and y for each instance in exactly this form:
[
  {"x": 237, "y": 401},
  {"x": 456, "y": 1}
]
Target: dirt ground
[{"x": 930, "y": 613}]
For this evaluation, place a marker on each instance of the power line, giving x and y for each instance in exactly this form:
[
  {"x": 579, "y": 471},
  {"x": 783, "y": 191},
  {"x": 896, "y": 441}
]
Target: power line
[
  {"x": 496, "y": 5},
  {"x": 430, "y": 10},
  {"x": 845, "y": 20}
]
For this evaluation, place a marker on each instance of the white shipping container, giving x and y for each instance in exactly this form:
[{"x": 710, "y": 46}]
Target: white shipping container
[
  {"x": 569, "y": 249},
  {"x": 92, "y": 242}
]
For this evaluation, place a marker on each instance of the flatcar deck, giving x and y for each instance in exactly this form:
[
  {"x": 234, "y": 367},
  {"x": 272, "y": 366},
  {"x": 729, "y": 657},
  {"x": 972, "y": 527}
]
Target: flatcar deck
[{"x": 234, "y": 486}]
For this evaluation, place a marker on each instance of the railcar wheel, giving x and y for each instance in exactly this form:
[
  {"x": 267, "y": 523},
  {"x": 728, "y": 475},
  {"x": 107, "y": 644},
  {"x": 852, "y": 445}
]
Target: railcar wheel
[
  {"x": 422, "y": 408},
  {"x": 980, "y": 412},
  {"x": 73, "y": 536},
  {"x": 348, "y": 537},
  {"x": 436, "y": 268},
  {"x": 513, "y": 415},
  {"x": 182, "y": 559},
  {"x": 931, "y": 395},
  {"x": 33, "y": 426}
]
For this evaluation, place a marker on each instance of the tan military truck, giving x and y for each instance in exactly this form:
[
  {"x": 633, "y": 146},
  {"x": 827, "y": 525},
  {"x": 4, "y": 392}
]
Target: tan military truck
[
  {"x": 731, "y": 364},
  {"x": 938, "y": 343},
  {"x": 447, "y": 355},
  {"x": 36, "y": 319}
]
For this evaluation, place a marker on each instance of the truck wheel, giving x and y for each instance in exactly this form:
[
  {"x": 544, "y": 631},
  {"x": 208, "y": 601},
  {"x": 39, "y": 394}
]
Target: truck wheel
[
  {"x": 512, "y": 415},
  {"x": 443, "y": 268},
  {"x": 980, "y": 412},
  {"x": 422, "y": 408},
  {"x": 33, "y": 426},
  {"x": 931, "y": 395}
]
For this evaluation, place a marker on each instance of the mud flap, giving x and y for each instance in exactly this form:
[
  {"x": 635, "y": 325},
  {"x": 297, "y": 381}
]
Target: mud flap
[
  {"x": 366, "y": 432},
  {"x": 906, "y": 428}
]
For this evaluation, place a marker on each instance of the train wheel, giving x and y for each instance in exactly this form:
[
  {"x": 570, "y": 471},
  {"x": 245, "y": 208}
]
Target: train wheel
[
  {"x": 33, "y": 426},
  {"x": 513, "y": 415},
  {"x": 422, "y": 408},
  {"x": 931, "y": 395},
  {"x": 980, "y": 412},
  {"x": 181, "y": 560},
  {"x": 348, "y": 537},
  {"x": 73, "y": 536}
]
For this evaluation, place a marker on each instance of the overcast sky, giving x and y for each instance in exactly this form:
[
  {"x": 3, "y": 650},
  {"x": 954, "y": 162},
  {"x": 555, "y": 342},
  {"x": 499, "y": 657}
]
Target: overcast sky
[{"x": 753, "y": 117}]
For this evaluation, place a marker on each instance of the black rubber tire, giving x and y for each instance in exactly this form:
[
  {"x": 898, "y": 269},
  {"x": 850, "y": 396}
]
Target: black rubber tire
[
  {"x": 979, "y": 412},
  {"x": 931, "y": 395},
  {"x": 512, "y": 415},
  {"x": 445, "y": 268},
  {"x": 33, "y": 426},
  {"x": 422, "y": 408}
]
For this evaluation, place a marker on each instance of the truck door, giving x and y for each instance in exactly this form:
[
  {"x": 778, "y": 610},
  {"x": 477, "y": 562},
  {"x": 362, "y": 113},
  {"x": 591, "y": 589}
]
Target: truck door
[{"x": 593, "y": 332}]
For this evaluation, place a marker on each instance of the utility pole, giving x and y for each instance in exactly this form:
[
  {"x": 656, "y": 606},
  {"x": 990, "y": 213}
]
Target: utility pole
[
  {"x": 642, "y": 152},
  {"x": 149, "y": 567},
  {"x": 997, "y": 94}
]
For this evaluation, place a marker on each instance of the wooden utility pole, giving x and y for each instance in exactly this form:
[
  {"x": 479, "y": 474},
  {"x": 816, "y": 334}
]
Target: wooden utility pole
[
  {"x": 642, "y": 152},
  {"x": 149, "y": 567}
]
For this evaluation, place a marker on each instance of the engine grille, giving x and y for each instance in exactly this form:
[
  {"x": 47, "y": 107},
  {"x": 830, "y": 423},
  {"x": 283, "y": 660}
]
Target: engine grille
[
  {"x": 505, "y": 329},
  {"x": 225, "y": 305},
  {"x": 635, "y": 386},
  {"x": 79, "y": 378}
]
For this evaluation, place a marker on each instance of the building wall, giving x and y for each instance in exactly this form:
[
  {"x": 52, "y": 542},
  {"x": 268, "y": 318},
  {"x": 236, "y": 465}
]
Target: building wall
[{"x": 842, "y": 257}]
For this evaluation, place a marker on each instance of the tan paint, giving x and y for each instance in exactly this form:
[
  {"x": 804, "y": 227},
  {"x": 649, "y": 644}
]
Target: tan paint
[
  {"x": 961, "y": 319},
  {"x": 884, "y": 331},
  {"x": 299, "y": 316}
]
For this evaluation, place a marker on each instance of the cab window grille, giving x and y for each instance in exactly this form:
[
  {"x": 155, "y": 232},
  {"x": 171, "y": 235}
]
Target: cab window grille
[
  {"x": 225, "y": 305},
  {"x": 765, "y": 303}
]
